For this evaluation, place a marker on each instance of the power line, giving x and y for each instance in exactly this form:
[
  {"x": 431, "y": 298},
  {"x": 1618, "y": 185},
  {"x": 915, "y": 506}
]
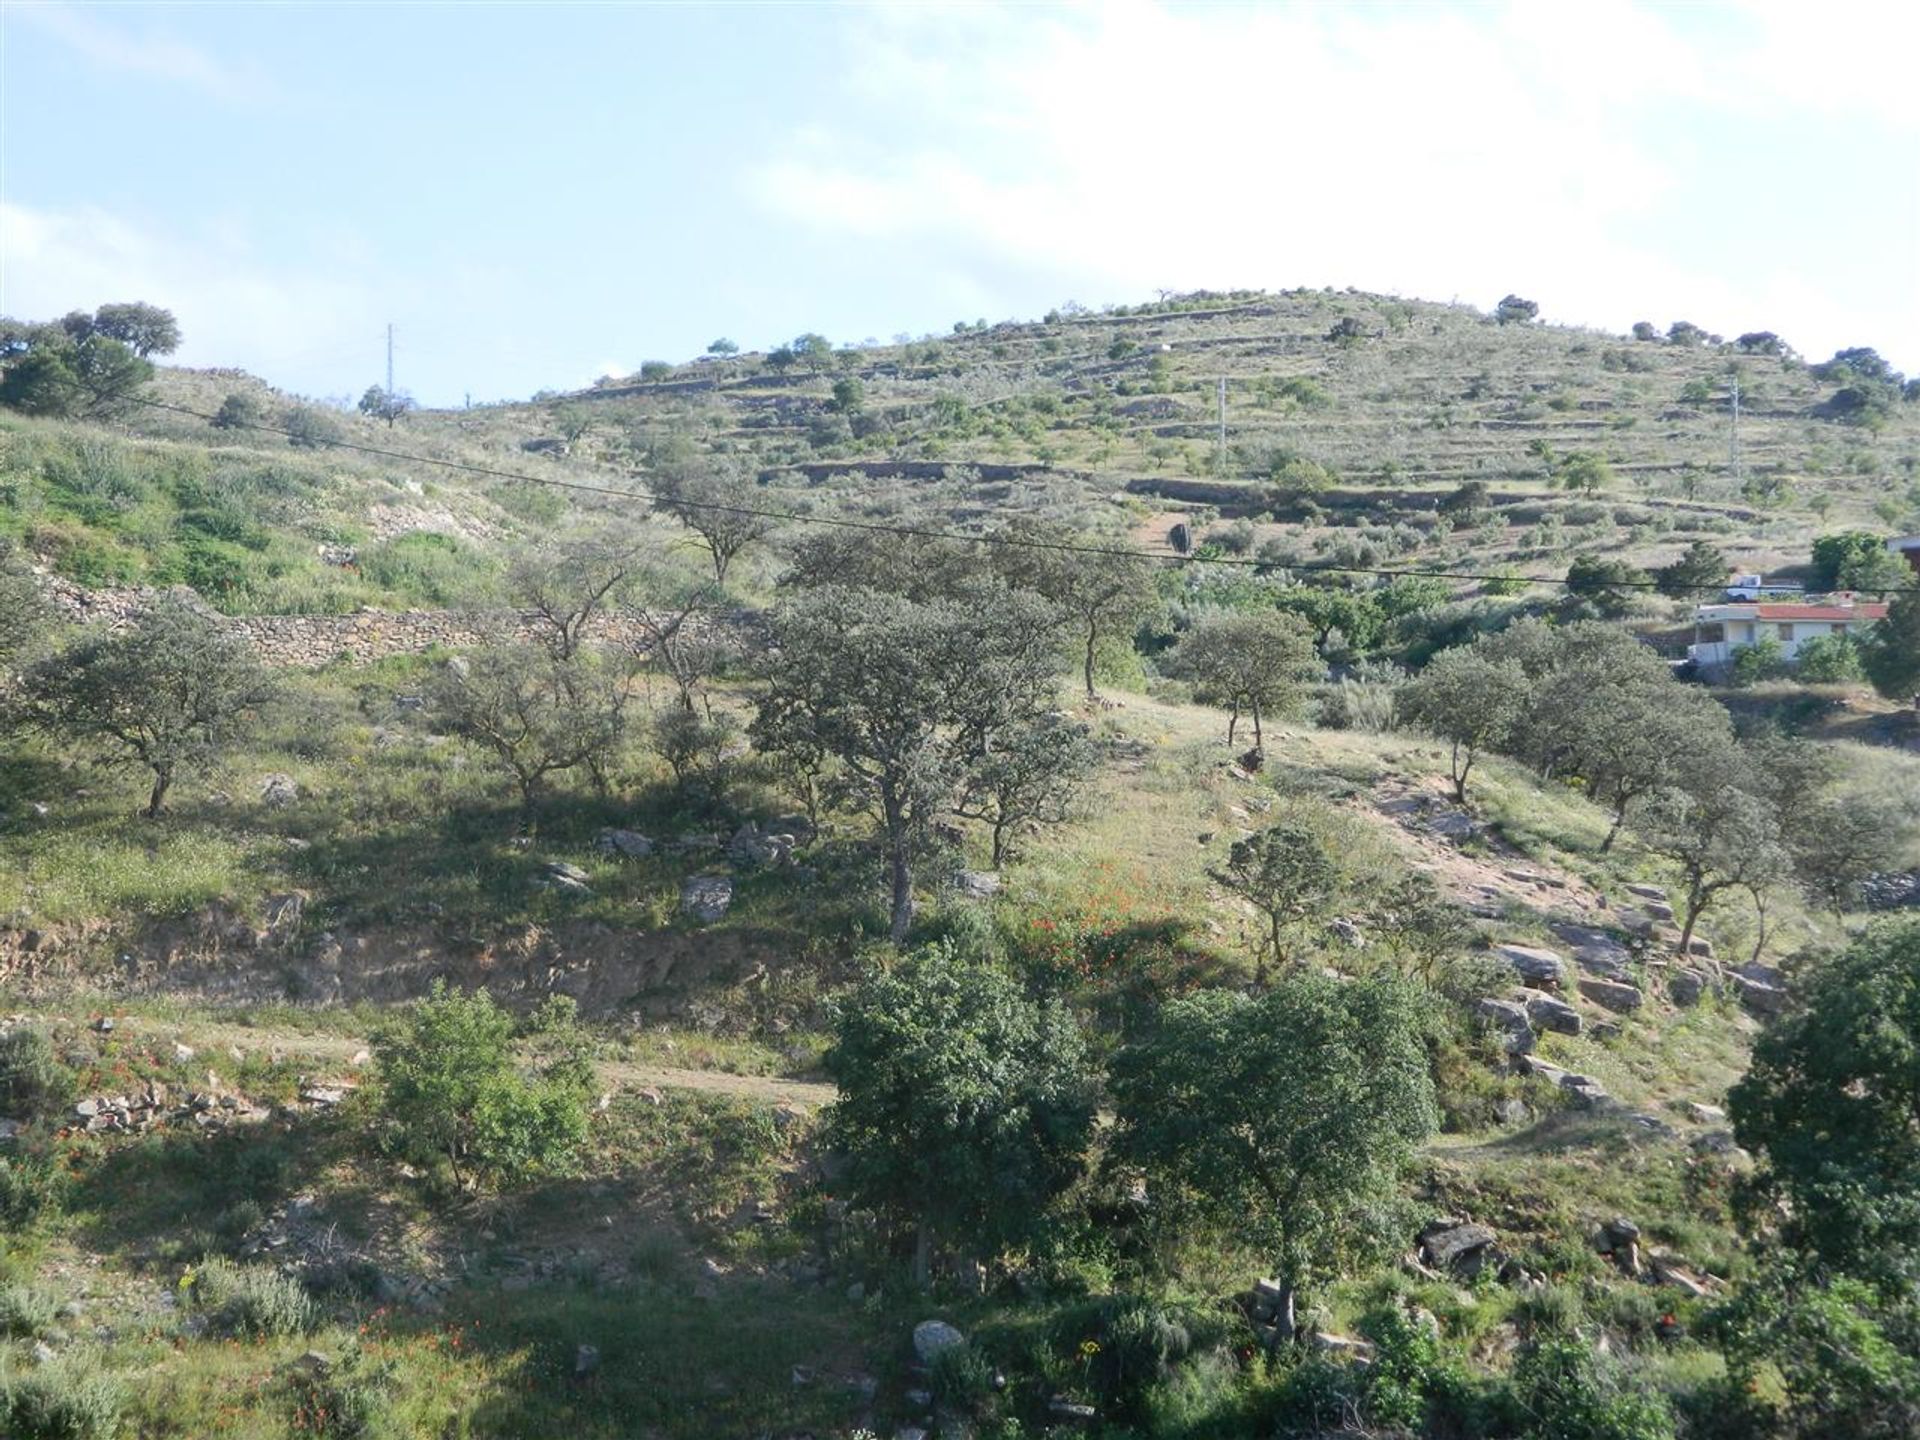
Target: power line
[{"x": 921, "y": 532}]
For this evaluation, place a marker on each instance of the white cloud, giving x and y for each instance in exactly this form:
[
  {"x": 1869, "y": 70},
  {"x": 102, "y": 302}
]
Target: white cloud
[
  {"x": 151, "y": 54},
  {"x": 1421, "y": 150},
  {"x": 280, "y": 319}
]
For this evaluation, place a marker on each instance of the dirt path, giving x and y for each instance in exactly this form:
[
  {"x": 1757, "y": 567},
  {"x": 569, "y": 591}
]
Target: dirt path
[{"x": 618, "y": 1075}]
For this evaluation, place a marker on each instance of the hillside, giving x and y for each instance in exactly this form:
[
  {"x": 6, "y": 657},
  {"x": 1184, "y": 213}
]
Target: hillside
[{"x": 482, "y": 954}]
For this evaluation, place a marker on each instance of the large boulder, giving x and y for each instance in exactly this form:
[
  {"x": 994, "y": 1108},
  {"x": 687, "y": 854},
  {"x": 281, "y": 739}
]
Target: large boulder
[
  {"x": 1550, "y": 1012},
  {"x": 931, "y": 1337},
  {"x": 1615, "y": 995},
  {"x": 1454, "y": 1246},
  {"x": 1515, "y": 1026},
  {"x": 278, "y": 791},
  {"x": 1543, "y": 968},
  {"x": 706, "y": 898},
  {"x": 1686, "y": 986},
  {"x": 976, "y": 884},
  {"x": 1758, "y": 996},
  {"x": 630, "y": 843}
]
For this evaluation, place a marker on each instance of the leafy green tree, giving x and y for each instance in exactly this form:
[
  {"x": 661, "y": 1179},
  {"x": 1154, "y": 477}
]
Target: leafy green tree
[
  {"x": 1256, "y": 661},
  {"x": 1470, "y": 700},
  {"x": 906, "y": 696},
  {"x": 537, "y": 714},
  {"x": 849, "y": 395},
  {"x": 239, "y": 411},
  {"x": 1105, "y": 596},
  {"x": 918, "y": 567},
  {"x": 1844, "y": 1357},
  {"x": 1875, "y": 571},
  {"x": 1829, "y": 1103},
  {"x": 310, "y": 428},
  {"x": 1700, "y": 569},
  {"x": 965, "y": 1106},
  {"x": 1645, "y": 330},
  {"x": 171, "y": 693},
  {"x": 1609, "y": 584},
  {"x": 1335, "y": 610},
  {"x": 144, "y": 329},
  {"x": 49, "y": 372},
  {"x": 720, "y": 506},
  {"x": 453, "y": 1088},
  {"x": 1765, "y": 659},
  {"x": 380, "y": 403},
  {"x": 1291, "y": 875},
  {"x": 1284, "y": 1120},
  {"x": 1685, "y": 332},
  {"x": 1584, "y": 470},
  {"x": 1029, "y": 778},
  {"x": 813, "y": 351},
  {"x": 1513, "y": 310},
  {"x": 723, "y": 347},
  {"x": 1891, "y": 653},
  {"x": 1717, "y": 828},
  {"x": 1834, "y": 554}
]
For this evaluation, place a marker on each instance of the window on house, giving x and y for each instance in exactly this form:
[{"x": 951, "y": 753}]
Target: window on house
[{"x": 1786, "y": 634}]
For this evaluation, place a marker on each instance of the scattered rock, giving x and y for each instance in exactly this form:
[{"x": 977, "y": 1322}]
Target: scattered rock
[
  {"x": 930, "y": 1337},
  {"x": 562, "y": 876},
  {"x": 1705, "y": 1114},
  {"x": 1615, "y": 995},
  {"x": 586, "y": 1360},
  {"x": 1453, "y": 1243},
  {"x": 1536, "y": 966},
  {"x": 706, "y": 898},
  {"x": 977, "y": 884},
  {"x": 630, "y": 843},
  {"x": 1071, "y": 1412},
  {"x": 1686, "y": 986},
  {"x": 1758, "y": 996},
  {"x": 278, "y": 791},
  {"x": 1512, "y": 1021},
  {"x": 1512, "y": 1112},
  {"x": 1647, "y": 892},
  {"x": 1549, "y": 1012}
]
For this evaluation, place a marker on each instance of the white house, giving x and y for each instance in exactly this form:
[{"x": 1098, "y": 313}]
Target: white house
[{"x": 1720, "y": 630}]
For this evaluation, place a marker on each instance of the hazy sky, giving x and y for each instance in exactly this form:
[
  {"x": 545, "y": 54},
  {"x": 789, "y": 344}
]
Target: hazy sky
[{"x": 538, "y": 194}]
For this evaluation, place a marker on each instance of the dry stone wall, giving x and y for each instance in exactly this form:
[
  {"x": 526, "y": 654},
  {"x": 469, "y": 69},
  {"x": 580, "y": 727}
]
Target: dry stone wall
[{"x": 363, "y": 636}]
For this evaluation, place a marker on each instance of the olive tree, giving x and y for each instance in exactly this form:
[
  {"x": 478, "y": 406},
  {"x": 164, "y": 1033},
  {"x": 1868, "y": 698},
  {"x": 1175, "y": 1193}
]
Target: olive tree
[
  {"x": 1717, "y": 827},
  {"x": 719, "y": 506},
  {"x": 1029, "y": 777},
  {"x": 1104, "y": 595},
  {"x": 965, "y": 1106},
  {"x": 537, "y": 714},
  {"x": 1891, "y": 654},
  {"x": 171, "y": 693},
  {"x": 1291, "y": 875},
  {"x": 1285, "y": 1120},
  {"x": 563, "y": 582},
  {"x": 1470, "y": 700},
  {"x": 1256, "y": 661},
  {"x": 906, "y": 696}
]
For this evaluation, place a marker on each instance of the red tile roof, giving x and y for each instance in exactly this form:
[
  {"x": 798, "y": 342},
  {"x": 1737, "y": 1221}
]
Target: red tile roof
[{"x": 1863, "y": 611}]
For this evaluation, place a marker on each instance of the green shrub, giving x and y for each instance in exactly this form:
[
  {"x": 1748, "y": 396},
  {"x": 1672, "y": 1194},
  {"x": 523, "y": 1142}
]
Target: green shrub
[
  {"x": 1568, "y": 1391},
  {"x": 60, "y": 1402},
  {"x": 33, "y": 1079},
  {"x": 1828, "y": 660},
  {"x": 1765, "y": 659},
  {"x": 249, "y": 1300},
  {"x": 24, "y": 1311},
  {"x": 960, "y": 1377},
  {"x": 350, "y": 1401},
  {"x": 30, "y": 1186}
]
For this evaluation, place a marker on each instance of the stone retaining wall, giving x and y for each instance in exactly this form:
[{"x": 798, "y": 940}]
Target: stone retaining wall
[{"x": 304, "y": 641}]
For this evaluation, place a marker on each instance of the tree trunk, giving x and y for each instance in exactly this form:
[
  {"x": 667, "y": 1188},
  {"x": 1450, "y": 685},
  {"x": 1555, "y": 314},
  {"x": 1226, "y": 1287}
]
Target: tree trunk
[
  {"x": 1286, "y": 1328},
  {"x": 900, "y": 871},
  {"x": 1258, "y": 742},
  {"x": 1093, "y": 636},
  {"x": 999, "y": 842},
  {"x": 1233, "y": 721},
  {"x": 1696, "y": 902},
  {"x": 1613, "y": 830},
  {"x": 1460, "y": 775},
  {"x": 1760, "y": 913},
  {"x": 923, "y": 1256},
  {"x": 162, "y": 779}
]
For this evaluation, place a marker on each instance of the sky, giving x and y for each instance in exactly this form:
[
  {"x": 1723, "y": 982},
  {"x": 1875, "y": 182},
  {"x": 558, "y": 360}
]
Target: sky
[{"x": 535, "y": 195}]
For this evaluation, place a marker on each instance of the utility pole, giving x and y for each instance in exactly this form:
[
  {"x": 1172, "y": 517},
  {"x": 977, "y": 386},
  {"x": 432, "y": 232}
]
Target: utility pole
[
  {"x": 1220, "y": 460},
  {"x": 389, "y": 360},
  {"x": 1733, "y": 432}
]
